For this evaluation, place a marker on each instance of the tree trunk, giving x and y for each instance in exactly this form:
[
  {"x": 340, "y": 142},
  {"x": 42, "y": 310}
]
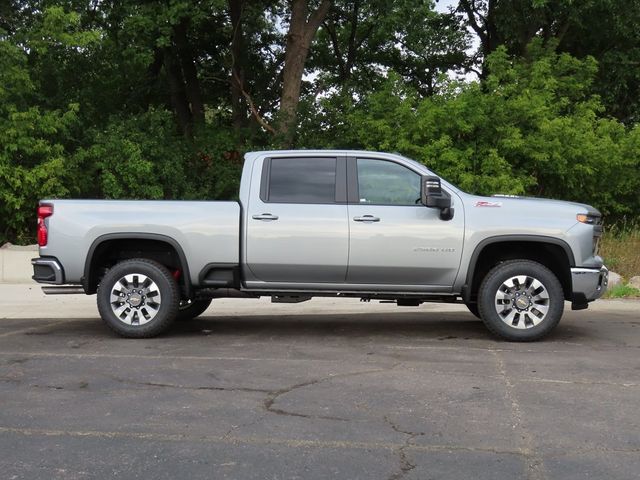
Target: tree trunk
[
  {"x": 238, "y": 108},
  {"x": 178, "y": 95},
  {"x": 299, "y": 37},
  {"x": 151, "y": 76},
  {"x": 189, "y": 72}
]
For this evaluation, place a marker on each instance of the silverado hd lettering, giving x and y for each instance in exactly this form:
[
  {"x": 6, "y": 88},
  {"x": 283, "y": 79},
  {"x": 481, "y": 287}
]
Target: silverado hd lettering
[{"x": 374, "y": 226}]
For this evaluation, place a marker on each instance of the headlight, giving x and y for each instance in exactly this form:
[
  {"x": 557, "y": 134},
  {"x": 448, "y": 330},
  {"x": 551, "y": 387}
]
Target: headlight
[
  {"x": 590, "y": 219},
  {"x": 596, "y": 221}
]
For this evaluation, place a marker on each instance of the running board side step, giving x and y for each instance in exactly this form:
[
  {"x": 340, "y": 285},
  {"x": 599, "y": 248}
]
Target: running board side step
[{"x": 64, "y": 290}]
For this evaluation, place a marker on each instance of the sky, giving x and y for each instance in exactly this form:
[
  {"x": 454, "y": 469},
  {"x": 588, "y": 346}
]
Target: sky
[{"x": 443, "y": 5}]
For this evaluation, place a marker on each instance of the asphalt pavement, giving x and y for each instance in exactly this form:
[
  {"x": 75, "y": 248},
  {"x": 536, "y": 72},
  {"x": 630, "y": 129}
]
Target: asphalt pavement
[{"x": 330, "y": 388}]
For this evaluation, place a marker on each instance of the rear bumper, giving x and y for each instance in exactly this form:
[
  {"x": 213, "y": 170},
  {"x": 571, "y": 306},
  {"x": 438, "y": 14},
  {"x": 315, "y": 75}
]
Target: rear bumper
[
  {"x": 47, "y": 270},
  {"x": 589, "y": 284}
]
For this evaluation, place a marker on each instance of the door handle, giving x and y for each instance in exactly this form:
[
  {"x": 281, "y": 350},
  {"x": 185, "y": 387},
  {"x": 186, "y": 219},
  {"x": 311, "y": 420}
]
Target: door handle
[
  {"x": 265, "y": 216},
  {"x": 366, "y": 218}
]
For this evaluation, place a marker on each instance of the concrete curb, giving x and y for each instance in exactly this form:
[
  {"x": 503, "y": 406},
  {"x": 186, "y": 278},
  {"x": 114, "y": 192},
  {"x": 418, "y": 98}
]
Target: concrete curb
[{"x": 15, "y": 263}]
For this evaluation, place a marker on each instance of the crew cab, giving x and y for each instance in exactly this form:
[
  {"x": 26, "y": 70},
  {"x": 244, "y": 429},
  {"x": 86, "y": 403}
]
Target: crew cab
[{"x": 375, "y": 226}]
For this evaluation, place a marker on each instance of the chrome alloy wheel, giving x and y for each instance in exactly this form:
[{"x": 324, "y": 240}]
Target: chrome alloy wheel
[
  {"x": 522, "y": 301},
  {"x": 135, "y": 299}
]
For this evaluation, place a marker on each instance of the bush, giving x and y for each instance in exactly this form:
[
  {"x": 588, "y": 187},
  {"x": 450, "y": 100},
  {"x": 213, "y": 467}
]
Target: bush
[
  {"x": 143, "y": 157},
  {"x": 531, "y": 128},
  {"x": 33, "y": 161}
]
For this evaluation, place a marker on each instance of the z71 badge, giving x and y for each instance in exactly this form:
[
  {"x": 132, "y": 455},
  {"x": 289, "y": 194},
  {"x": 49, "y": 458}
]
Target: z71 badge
[{"x": 487, "y": 204}]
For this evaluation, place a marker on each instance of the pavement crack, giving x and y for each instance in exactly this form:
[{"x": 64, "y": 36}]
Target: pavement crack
[
  {"x": 17, "y": 361},
  {"x": 276, "y": 394},
  {"x": 535, "y": 469},
  {"x": 405, "y": 464},
  {"x": 188, "y": 387},
  {"x": 79, "y": 386}
]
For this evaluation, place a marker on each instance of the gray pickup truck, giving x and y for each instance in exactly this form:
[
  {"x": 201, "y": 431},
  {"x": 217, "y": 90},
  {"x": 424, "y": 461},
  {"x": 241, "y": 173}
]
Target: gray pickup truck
[{"x": 374, "y": 226}]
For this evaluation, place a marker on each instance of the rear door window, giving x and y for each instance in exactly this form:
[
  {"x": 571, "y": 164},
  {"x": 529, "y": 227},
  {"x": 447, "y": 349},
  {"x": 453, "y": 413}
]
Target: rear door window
[{"x": 302, "y": 180}]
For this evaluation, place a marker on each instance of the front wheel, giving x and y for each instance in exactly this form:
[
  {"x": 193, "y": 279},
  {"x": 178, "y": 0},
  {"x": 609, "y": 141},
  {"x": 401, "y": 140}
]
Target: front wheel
[
  {"x": 138, "y": 298},
  {"x": 520, "y": 300}
]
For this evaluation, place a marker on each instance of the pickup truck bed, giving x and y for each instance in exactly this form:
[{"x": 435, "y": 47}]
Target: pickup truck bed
[{"x": 198, "y": 228}]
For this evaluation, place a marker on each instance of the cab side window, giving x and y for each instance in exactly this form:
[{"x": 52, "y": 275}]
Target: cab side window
[
  {"x": 302, "y": 180},
  {"x": 386, "y": 183}
]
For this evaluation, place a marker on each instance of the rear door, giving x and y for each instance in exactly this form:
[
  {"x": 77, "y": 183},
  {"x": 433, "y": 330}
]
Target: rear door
[
  {"x": 297, "y": 228},
  {"x": 395, "y": 240}
]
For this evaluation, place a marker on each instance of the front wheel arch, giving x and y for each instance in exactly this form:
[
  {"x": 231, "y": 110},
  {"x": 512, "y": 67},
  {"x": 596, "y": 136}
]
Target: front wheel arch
[{"x": 553, "y": 253}]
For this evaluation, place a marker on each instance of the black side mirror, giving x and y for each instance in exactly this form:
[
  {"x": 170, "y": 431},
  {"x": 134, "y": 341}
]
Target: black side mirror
[{"x": 433, "y": 196}]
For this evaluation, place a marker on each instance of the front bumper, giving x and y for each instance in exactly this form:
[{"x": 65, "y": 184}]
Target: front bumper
[
  {"x": 589, "y": 284},
  {"x": 47, "y": 270}
]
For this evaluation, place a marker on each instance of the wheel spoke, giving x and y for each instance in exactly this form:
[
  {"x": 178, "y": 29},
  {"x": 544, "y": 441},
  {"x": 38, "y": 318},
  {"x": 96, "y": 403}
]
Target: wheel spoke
[
  {"x": 119, "y": 309},
  {"x": 116, "y": 296},
  {"x": 508, "y": 315},
  {"x": 128, "y": 317},
  {"x": 152, "y": 308}
]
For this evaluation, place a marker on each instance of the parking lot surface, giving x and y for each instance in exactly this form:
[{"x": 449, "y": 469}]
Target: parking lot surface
[{"x": 322, "y": 389}]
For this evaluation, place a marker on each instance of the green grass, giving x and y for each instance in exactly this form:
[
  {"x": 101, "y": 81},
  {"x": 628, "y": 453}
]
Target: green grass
[
  {"x": 622, "y": 291},
  {"x": 620, "y": 248}
]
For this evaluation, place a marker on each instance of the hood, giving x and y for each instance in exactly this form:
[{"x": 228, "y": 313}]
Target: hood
[{"x": 542, "y": 201}]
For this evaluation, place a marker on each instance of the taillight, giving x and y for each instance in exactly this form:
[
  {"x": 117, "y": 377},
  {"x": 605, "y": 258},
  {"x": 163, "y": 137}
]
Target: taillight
[{"x": 44, "y": 211}]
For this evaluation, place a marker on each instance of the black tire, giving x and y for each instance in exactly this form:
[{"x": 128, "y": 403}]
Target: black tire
[
  {"x": 520, "y": 325},
  {"x": 473, "y": 308},
  {"x": 148, "y": 318},
  {"x": 191, "y": 309}
]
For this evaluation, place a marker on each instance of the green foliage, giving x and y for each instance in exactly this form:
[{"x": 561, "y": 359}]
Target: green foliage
[
  {"x": 620, "y": 247},
  {"x": 32, "y": 159},
  {"x": 623, "y": 291},
  {"x": 90, "y": 98},
  {"x": 533, "y": 127},
  {"x": 144, "y": 157},
  {"x": 132, "y": 157}
]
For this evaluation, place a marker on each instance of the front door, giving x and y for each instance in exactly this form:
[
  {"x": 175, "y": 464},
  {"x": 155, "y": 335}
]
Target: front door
[
  {"x": 395, "y": 240},
  {"x": 297, "y": 231}
]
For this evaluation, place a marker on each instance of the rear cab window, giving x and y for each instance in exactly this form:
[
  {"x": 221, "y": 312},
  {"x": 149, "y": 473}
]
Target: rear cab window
[{"x": 303, "y": 180}]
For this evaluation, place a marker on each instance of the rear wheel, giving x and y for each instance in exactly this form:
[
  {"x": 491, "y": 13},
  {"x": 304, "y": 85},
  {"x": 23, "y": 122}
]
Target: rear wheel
[
  {"x": 189, "y": 309},
  {"x": 520, "y": 300},
  {"x": 138, "y": 298}
]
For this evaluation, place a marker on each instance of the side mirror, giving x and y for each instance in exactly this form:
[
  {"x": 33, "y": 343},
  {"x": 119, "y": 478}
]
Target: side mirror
[{"x": 433, "y": 196}]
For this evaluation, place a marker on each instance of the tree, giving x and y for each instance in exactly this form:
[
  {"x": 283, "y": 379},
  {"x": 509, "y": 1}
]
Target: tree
[
  {"x": 604, "y": 29},
  {"x": 532, "y": 127},
  {"x": 33, "y": 160},
  {"x": 302, "y": 30}
]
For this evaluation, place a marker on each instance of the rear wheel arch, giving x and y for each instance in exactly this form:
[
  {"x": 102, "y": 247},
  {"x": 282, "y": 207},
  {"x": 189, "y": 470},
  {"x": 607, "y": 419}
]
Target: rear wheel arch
[
  {"x": 114, "y": 247},
  {"x": 553, "y": 253}
]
